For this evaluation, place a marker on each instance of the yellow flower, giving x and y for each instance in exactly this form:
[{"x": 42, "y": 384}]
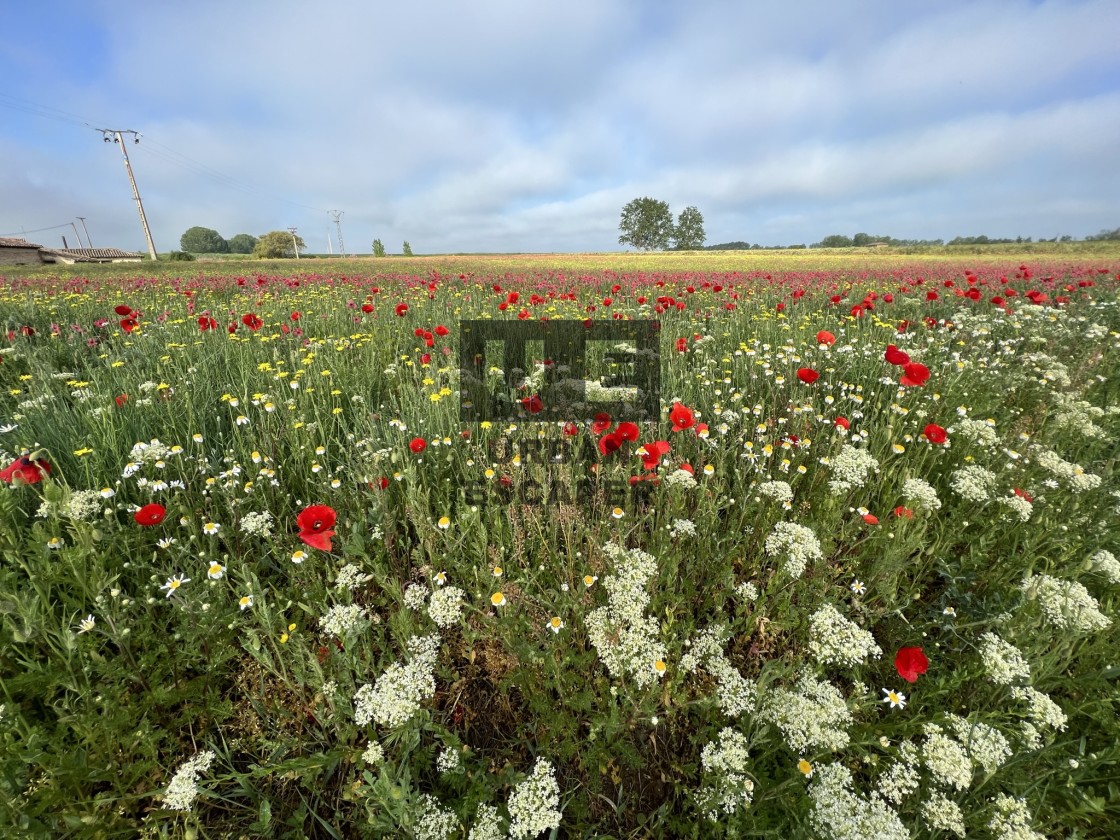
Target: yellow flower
[
  {"x": 444, "y": 522},
  {"x": 618, "y": 513},
  {"x": 498, "y": 599},
  {"x": 81, "y": 452},
  {"x": 556, "y": 624},
  {"x": 496, "y": 571},
  {"x": 589, "y": 580},
  {"x": 806, "y": 768},
  {"x": 659, "y": 666}
]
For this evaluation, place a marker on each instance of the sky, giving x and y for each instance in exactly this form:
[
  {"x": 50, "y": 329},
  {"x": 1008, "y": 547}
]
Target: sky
[{"x": 514, "y": 126}]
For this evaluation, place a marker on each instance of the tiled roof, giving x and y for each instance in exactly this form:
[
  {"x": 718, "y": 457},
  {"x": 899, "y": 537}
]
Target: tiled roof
[
  {"x": 16, "y": 243},
  {"x": 91, "y": 253}
]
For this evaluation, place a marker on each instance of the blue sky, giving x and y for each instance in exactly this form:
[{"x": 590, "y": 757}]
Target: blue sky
[{"x": 502, "y": 125}]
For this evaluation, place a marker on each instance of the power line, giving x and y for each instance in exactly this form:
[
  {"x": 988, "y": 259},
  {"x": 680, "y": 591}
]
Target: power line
[
  {"x": 36, "y": 230},
  {"x": 165, "y": 153}
]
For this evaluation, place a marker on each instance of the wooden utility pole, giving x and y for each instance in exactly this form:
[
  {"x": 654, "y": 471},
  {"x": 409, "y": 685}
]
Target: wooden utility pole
[
  {"x": 82, "y": 219},
  {"x": 118, "y": 138},
  {"x": 295, "y": 242}
]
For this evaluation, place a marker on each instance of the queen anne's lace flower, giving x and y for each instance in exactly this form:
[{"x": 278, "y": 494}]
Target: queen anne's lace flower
[
  {"x": 1066, "y": 603},
  {"x": 834, "y": 639},
  {"x": 813, "y": 715},
  {"x": 727, "y": 785},
  {"x": 840, "y": 813},
  {"x": 183, "y": 789},
  {"x": 398, "y": 693},
  {"x": 534, "y": 805},
  {"x": 798, "y": 544}
]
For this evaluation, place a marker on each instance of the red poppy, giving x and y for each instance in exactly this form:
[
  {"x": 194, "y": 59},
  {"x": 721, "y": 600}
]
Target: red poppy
[
  {"x": 418, "y": 445},
  {"x": 25, "y": 471},
  {"x": 400, "y": 309},
  {"x": 914, "y": 375},
  {"x": 252, "y": 321},
  {"x": 842, "y": 423},
  {"x": 910, "y": 663},
  {"x": 150, "y": 515},
  {"x": 533, "y": 404},
  {"x": 627, "y": 431},
  {"x": 681, "y": 417},
  {"x": 902, "y": 511},
  {"x": 571, "y": 429},
  {"x": 808, "y": 375},
  {"x": 896, "y": 356},
  {"x": 122, "y": 309},
  {"x": 295, "y": 316},
  {"x": 1023, "y": 494},
  {"x": 207, "y": 323},
  {"x": 609, "y": 443},
  {"x": 601, "y": 423},
  {"x": 441, "y": 330},
  {"x": 871, "y": 519},
  {"x": 129, "y": 324},
  {"x": 120, "y": 399},
  {"x": 825, "y": 337},
  {"x": 935, "y": 433},
  {"x": 654, "y": 452},
  {"x": 315, "y": 523},
  {"x": 367, "y": 308}
]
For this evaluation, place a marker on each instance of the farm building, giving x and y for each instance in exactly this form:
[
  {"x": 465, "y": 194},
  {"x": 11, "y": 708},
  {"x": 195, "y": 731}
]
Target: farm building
[
  {"x": 19, "y": 252},
  {"x": 87, "y": 255}
]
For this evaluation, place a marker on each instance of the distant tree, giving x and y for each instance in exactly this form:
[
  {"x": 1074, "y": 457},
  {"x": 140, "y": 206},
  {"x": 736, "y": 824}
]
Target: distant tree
[
  {"x": 647, "y": 224},
  {"x": 1104, "y": 235},
  {"x": 202, "y": 240},
  {"x": 179, "y": 256},
  {"x": 737, "y": 245},
  {"x": 243, "y": 243},
  {"x": 406, "y": 249},
  {"x": 378, "y": 248},
  {"x": 277, "y": 244},
  {"x": 836, "y": 240},
  {"x": 689, "y": 232}
]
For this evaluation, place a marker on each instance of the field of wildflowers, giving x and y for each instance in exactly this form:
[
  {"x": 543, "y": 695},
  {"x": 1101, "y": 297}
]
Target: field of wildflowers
[{"x": 858, "y": 578}]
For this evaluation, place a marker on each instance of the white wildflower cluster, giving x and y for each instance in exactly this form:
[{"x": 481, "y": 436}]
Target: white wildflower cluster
[
  {"x": 1072, "y": 474},
  {"x": 149, "y": 453},
  {"x": 446, "y": 606},
  {"x": 682, "y": 527},
  {"x": 1020, "y": 508},
  {"x": 943, "y": 814},
  {"x": 80, "y": 506},
  {"x": 980, "y": 432},
  {"x": 398, "y": 693},
  {"x": 342, "y": 619},
  {"x": 921, "y": 494},
  {"x": 1012, "y": 820},
  {"x": 350, "y": 577},
  {"x": 985, "y": 744},
  {"x": 946, "y": 758},
  {"x": 779, "y": 491},
  {"x": 487, "y": 824},
  {"x": 1041, "y": 709},
  {"x": 727, "y": 785},
  {"x": 973, "y": 483},
  {"x": 747, "y": 591},
  {"x": 1105, "y": 563},
  {"x": 373, "y": 754},
  {"x": 534, "y": 805},
  {"x": 1066, "y": 603},
  {"x": 903, "y": 777},
  {"x": 183, "y": 789},
  {"x": 734, "y": 692},
  {"x": 1078, "y": 416},
  {"x": 839, "y": 813},
  {"x": 798, "y": 544},
  {"x": 812, "y": 716},
  {"x": 834, "y": 639},
  {"x": 1003, "y": 661},
  {"x": 851, "y": 468},
  {"x": 435, "y": 821},
  {"x": 415, "y": 596},
  {"x": 448, "y": 760},
  {"x": 681, "y": 478},
  {"x": 257, "y": 523},
  {"x": 626, "y": 639}
]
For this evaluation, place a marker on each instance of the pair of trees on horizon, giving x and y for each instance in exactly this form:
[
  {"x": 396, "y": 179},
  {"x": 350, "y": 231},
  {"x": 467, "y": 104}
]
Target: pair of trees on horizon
[
  {"x": 379, "y": 249},
  {"x": 201, "y": 240},
  {"x": 647, "y": 224}
]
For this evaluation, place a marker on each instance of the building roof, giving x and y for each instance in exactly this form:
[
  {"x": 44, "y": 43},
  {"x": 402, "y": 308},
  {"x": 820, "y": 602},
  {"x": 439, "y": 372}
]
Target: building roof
[
  {"x": 91, "y": 254},
  {"x": 6, "y": 242}
]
